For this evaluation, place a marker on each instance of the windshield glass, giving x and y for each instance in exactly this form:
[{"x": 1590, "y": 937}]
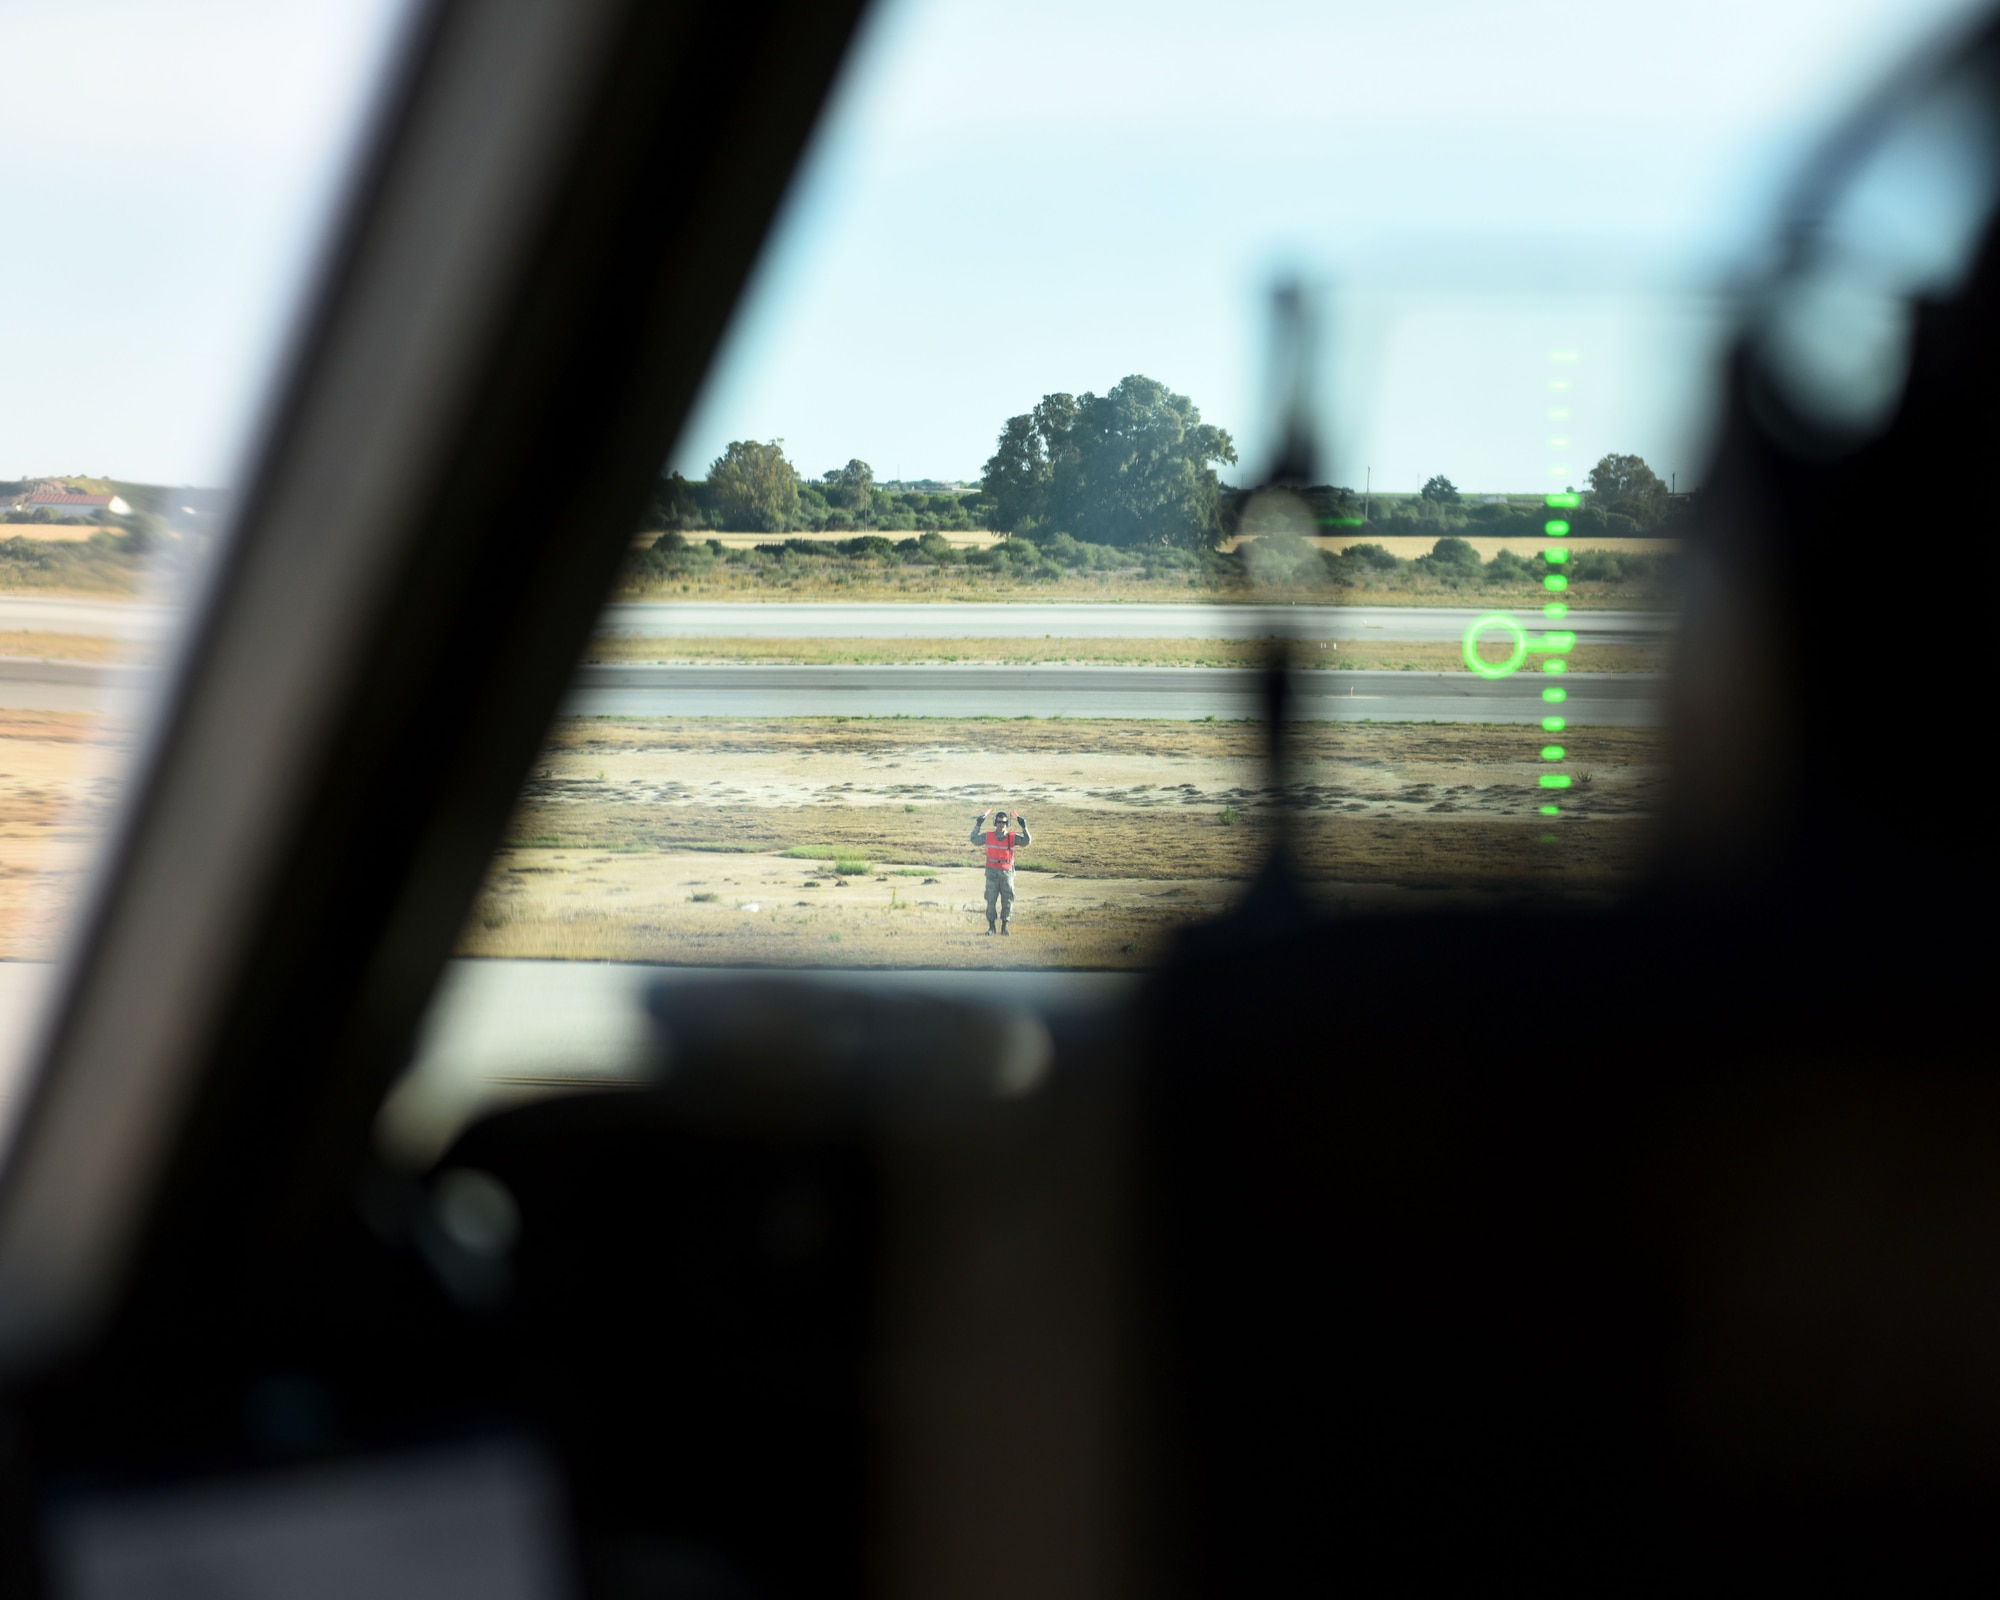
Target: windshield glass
[
  {"x": 968, "y": 522},
  {"x": 169, "y": 170}
]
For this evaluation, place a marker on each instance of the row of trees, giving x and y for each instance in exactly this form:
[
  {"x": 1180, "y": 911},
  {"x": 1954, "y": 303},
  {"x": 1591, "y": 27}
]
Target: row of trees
[
  {"x": 1620, "y": 486},
  {"x": 1133, "y": 467},
  {"x": 752, "y": 488}
]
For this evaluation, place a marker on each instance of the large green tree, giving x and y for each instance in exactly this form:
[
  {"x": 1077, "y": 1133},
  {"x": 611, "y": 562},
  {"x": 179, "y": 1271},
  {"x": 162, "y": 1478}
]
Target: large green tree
[
  {"x": 1130, "y": 467},
  {"x": 753, "y": 487},
  {"x": 1016, "y": 479},
  {"x": 1625, "y": 486},
  {"x": 852, "y": 489}
]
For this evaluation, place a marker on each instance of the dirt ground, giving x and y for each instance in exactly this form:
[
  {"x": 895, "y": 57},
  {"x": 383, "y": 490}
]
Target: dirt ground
[
  {"x": 712, "y": 841},
  {"x": 717, "y": 841},
  {"x": 37, "y": 646},
  {"x": 58, "y": 775}
]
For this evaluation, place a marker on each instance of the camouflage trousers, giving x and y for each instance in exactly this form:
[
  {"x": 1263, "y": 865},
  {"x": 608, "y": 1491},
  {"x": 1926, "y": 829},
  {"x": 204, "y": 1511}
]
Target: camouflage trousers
[{"x": 1000, "y": 891}]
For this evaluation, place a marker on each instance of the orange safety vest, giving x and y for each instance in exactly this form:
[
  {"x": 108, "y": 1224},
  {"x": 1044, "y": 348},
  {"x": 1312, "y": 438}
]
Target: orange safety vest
[{"x": 999, "y": 852}]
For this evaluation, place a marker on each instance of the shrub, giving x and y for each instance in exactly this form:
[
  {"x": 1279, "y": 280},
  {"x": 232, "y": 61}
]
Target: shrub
[
  {"x": 932, "y": 547},
  {"x": 1060, "y": 548},
  {"x": 1507, "y": 567},
  {"x": 1455, "y": 556},
  {"x": 1282, "y": 558},
  {"x": 1373, "y": 556}
]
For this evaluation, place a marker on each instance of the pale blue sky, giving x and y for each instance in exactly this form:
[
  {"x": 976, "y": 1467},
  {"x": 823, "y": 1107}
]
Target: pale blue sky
[
  {"x": 1012, "y": 199},
  {"x": 1008, "y": 199},
  {"x": 167, "y": 167}
]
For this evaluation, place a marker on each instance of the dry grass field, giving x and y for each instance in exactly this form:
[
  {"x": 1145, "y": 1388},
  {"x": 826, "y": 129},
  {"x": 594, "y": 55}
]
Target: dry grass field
[
  {"x": 49, "y": 532},
  {"x": 843, "y": 842},
  {"x": 1407, "y": 547},
  {"x": 26, "y": 643},
  {"x": 884, "y": 583}
]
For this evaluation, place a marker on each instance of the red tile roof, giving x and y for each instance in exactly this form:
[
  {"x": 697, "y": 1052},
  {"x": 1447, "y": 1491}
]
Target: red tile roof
[{"x": 62, "y": 497}]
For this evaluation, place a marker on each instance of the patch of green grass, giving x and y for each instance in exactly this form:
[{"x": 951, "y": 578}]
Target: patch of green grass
[
  {"x": 1228, "y": 816},
  {"x": 845, "y": 862},
  {"x": 906, "y": 872},
  {"x": 705, "y": 895}
]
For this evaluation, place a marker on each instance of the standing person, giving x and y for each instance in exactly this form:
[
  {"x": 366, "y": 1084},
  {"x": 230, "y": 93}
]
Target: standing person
[{"x": 1000, "y": 844}]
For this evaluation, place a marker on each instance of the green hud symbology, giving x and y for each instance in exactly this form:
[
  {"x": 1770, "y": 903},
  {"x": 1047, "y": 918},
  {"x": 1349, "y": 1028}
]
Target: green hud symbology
[{"x": 1553, "y": 644}]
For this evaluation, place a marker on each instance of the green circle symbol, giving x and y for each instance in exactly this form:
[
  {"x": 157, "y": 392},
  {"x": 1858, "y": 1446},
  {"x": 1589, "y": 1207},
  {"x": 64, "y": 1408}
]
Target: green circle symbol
[{"x": 1495, "y": 669}]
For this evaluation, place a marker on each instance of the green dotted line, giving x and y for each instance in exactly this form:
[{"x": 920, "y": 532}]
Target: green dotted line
[
  {"x": 1553, "y": 645},
  {"x": 1556, "y": 584},
  {"x": 1555, "y": 610}
]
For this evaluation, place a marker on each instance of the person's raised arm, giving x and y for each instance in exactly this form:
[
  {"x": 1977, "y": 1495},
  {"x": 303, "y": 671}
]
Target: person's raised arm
[
  {"x": 979, "y": 828},
  {"x": 1021, "y": 828}
]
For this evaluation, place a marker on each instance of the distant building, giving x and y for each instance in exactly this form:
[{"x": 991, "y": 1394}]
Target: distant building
[{"x": 61, "y": 502}]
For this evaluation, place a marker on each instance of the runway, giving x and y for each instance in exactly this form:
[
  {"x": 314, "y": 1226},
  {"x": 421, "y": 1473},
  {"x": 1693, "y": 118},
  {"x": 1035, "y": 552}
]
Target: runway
[
  {"x": 1186, "y": 694},
  {"x": 111, "y": 689},
  {"x": 1081, "y": 620},
  {"x": 97, "y": 619},
  {"x": 758, "y": 619},
  {"x": 754, "y": 619}
]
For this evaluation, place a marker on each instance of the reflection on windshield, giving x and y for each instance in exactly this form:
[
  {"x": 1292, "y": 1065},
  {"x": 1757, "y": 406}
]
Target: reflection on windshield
[
  {"x": 181, "y": 178},
  {"x": 968, "y": 518}
]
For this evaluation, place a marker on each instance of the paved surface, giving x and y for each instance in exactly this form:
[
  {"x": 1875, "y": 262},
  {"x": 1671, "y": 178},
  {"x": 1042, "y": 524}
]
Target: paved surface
[
  {"x": 75, "y": 686},
  {"x": 102, "y": 619},
  {"x": 1186, "y": 694},
  {"x": 897, "y": 620},
  {"x": 1173, "y": 693}
]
